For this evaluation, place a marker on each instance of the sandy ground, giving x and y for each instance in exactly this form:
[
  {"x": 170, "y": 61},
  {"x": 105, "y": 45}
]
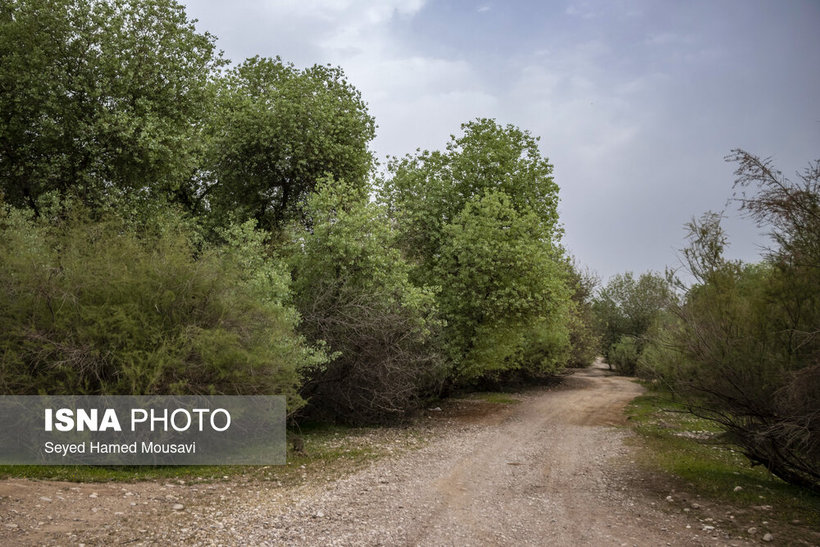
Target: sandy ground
[{"x": 552, "y": 470}]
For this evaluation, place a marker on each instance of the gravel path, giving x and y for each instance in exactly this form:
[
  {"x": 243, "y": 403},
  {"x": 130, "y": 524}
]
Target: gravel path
[{"x": 552, "y": 470}]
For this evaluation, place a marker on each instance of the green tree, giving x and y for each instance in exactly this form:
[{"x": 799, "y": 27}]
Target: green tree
[
  {"x": 584, "y": 341},
  {"x": 427, "y": 191},
  {"x": 277, "y": 131},
  {"x": 502, "y": 285},
  {"x": 625, "y": 308},
  {"x": 479, "y": 220},
  {"x": 352, "y": 289},
  {"x": 100, "y": 94}
]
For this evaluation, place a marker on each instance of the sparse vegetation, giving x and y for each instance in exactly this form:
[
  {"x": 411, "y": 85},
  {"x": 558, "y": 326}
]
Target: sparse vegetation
[{"x": 695, "y": 452}]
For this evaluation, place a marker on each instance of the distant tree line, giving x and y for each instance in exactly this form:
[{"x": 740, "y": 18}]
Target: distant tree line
[{"x": 172, "y": 223}]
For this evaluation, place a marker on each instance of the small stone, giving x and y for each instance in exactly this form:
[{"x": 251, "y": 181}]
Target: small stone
[
  {"x": 707, "y": 527},
  {"x": 768, "y": 537},
  {"x": 738, "y": 488},
  {"x": 178, "y": 507},
  {"x": 93, "y": 495},
  {"x": 752, "y": 530},
  {"x": 695, "y": 506},
  {"x": 43, "y": 498},
  {"x": 318, "y": 515}
]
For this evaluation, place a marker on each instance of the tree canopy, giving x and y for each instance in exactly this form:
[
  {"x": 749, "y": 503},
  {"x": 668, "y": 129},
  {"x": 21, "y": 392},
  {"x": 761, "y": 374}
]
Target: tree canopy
[
  {"x": 98, "y": 95},
  {"x": 428, "y": 190},
  {"x": 479, "y": 221},
  {"x": 278, "y": 130}
]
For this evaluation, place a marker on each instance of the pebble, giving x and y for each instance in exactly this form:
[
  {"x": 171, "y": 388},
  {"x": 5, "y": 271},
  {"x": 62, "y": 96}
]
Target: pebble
[
  {"x": 178, "y": 507},
  {"x": 768, "y": 537},
  {"x": 738, "y": 488}
]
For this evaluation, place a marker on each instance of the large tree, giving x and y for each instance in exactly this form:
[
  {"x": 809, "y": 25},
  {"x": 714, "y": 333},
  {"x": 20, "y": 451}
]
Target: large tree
[
  {"x": 503, "y": 291},
  {"x": 428, "y": 190},
  {"x": 479, "y": 220},
  {"x": 278, "y": 130},
  {"x": 99, "y": 94}
]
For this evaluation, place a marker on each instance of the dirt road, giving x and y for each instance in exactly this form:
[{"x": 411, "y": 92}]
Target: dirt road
[{"x": 552, "y": 470}]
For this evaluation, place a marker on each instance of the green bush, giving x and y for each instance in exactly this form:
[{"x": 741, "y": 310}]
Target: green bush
[
  {"x": 505, "y": 297},
  {"x": 583, "y": 337},
  {"x": 624, "y": 354},
  {"x": 744, "y": 344},
  {"x": 137, "y": 303},
  {"x": 353, "y": 291},
  {"x": 628, "y": 306}
]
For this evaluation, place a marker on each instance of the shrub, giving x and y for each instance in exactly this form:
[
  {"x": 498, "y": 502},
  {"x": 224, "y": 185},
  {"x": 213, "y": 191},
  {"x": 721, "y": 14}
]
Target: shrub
[
  {"x": 746, "y": 338},
  {"x": 138, "y": 304},
  {"x": 624, "y": 353},
  {"x": 352, "y": 289},
  {"x": 627, "y": 306}
]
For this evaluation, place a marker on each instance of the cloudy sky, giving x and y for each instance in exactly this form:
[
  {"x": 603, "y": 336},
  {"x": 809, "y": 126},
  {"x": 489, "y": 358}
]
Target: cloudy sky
[{"x": 636, "y": 102}]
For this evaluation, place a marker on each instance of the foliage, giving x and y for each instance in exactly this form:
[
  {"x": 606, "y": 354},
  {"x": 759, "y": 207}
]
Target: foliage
[
  {"x": 745, "y": 342},
  {"x": 624, "y": 353},
  {"x": 627, "y": 307},
  {"x": 503, "y": 290},
  {"x": 103, "y": 305},
  {"x": 113, "y": 109},
  {"x": 479, "y": 221},
  {"x": 428, "y": 191},
  {"x": 99, "y": 94},
  {"x": 584, "y": 340},
  {"x": 276, "y": 132},
  {"x": 352, "y": 288}
]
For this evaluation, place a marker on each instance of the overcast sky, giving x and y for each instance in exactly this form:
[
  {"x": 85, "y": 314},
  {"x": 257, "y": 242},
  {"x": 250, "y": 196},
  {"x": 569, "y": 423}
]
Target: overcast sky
[{"x": 636, "y": 102}]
